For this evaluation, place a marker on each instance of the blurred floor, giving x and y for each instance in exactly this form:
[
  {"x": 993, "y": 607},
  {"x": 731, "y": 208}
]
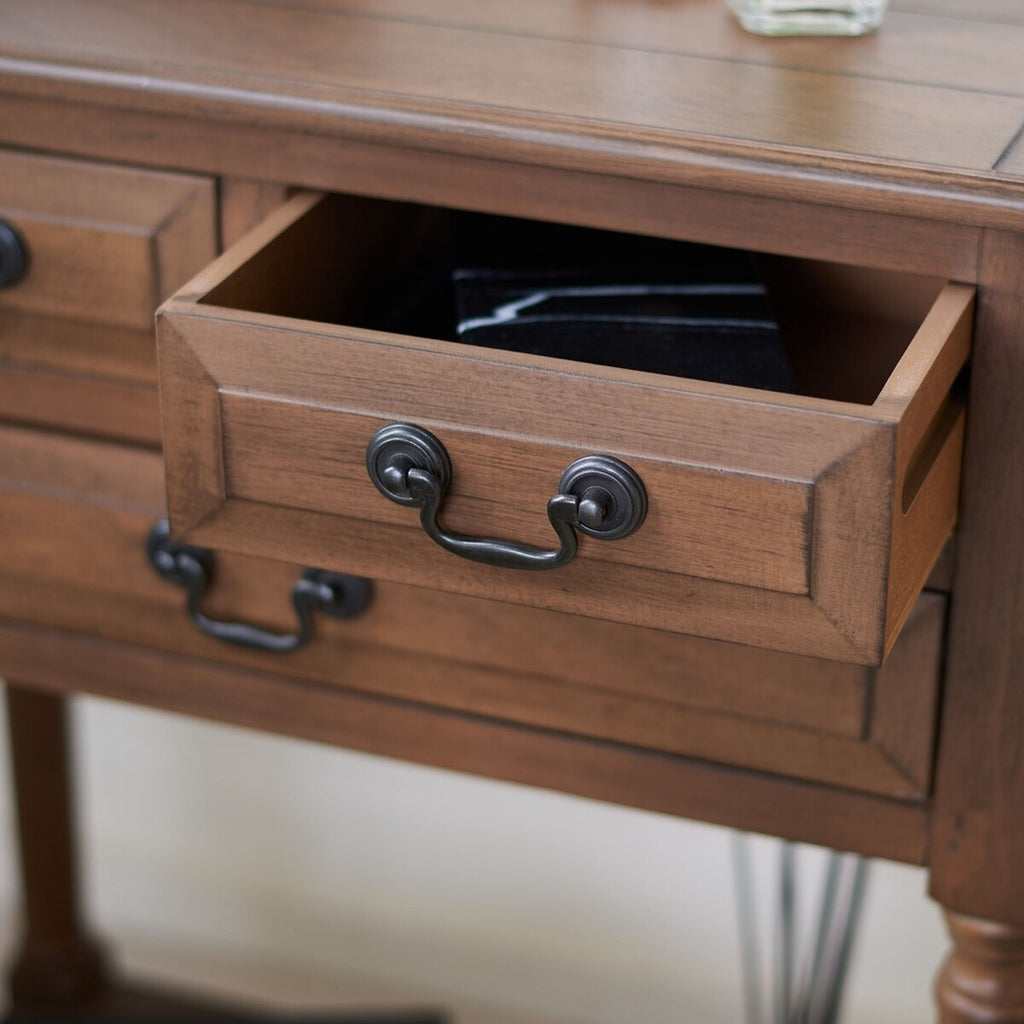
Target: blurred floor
[
  {"x": 270, "y": 983},
  {"x": 293, "y": 876}
]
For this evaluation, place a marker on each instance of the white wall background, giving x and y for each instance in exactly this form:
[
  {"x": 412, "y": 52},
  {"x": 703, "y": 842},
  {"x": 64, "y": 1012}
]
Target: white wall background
[{"x": 284, "y": 873}]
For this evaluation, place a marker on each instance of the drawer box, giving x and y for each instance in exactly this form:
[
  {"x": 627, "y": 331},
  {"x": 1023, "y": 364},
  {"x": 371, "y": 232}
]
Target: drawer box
[
  {"x": 105, "y": 245},
  {"x": 75, "y": 515},
  {"x": 806, "y": 523}
]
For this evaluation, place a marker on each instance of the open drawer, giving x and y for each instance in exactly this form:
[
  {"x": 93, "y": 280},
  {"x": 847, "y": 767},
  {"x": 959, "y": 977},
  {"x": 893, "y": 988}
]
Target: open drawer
[{"x": 801, "y": 522}]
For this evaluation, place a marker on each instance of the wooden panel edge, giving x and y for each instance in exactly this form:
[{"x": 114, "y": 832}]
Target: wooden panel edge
[
  {"x": 851, "y": 552},
  {"x": 977, "y": 832},
  {"x": 191, "y": 430},
  {"x": 920, "y": 533},
  {"x": 186, "y": 241},
  {"x": 677, "y": 604},
  {"x": 929, "y": 449},
  {"x": 803, "y": 812},
  {"x": 94, "y": 407},
  {"x": 622, "y": 195},
  {"x": 245, "y": 248},
  {"x": 922, "y": 378},
  {"x": 244, "y": 205},
  {"x": 681, "y": 157},
  {"x": 905, "y": 694}
]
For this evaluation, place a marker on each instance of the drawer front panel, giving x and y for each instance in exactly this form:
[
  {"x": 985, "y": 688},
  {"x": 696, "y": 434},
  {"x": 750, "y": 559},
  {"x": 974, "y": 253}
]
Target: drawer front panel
[
  {"x": 766, "y": 520},
  {"x": 798, "y": 523},
  {"x": 74, "y": 517},
  {"x": 105, "y": 245}
]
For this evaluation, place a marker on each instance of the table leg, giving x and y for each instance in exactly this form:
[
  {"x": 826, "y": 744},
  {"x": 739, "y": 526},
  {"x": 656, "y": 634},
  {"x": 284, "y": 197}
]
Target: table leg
[
  {"x": 976, "y": 850},
  {"x": 58, "y": 965},
  {"x": 982, "y": 981}
]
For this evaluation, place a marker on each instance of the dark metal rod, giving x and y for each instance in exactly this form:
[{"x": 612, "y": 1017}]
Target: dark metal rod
[
  {"x": 853, "y": 908},
  {"x": 746, "y": 908},
  {"x": 811, "y": 979},
  {"x": 786, "y": 933}
]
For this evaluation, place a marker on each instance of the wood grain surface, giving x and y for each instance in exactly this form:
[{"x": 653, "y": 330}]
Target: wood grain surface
[
  {"x": 807, "y": 718},
  {"x": 58, "y": 964},
  {"x": 630, "y": 70},
  {"x": 916, "y": 117},
  {"x": 774, "y": 514},
  {"x": 245, "y": 204},
  {"x": 983, "y": 978},
  {"x": 978, "y": 830},
  {"x": 617, "y": 773},
  {"x": 900, "y": 151},
  {"x": 105, "y": 244}
]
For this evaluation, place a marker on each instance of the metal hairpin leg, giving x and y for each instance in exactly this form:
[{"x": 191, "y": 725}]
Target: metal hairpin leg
[{"x": 807, "y": 984}]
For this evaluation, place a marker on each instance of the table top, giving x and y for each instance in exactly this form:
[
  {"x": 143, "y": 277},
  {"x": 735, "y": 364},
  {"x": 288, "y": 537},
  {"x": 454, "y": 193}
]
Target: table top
[{"x": 671, "y": 91}]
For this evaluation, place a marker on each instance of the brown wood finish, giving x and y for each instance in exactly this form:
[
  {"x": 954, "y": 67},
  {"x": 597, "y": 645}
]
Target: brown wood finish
[
  {"x": 776, "y": 516},
  {"x": 81, "y": 404},
  {"x": 604, "y": 771},
  {"x": 881, "y": 233},
  {"x": 244, "y": 205},
  {"x": 978, "y": 829},
  {"x": 895, "y": 152},
  {"x": 322, "y": 141},
  {"x": 941, "y": 577},
  {"x": 818, "y": 720},
  {"x": 978, "y": 57},
  {"x": 1006, "y": 12},
  {"x": 58, "y": 965},
  {"x": 105, "y": 245},
  {"x": 336, "y": 62},
  {"x": 982, "y": 982}
]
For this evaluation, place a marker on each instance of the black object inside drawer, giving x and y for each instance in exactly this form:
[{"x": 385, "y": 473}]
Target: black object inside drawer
[{"x": 599, "y": 297}]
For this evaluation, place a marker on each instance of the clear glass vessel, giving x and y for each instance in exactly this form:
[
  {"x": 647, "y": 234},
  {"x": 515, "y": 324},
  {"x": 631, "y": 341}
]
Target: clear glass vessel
[{"x": 809, "y": 18}]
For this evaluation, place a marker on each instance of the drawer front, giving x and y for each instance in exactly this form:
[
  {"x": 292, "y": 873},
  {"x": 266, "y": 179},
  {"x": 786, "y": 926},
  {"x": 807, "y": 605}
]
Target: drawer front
[
  {"x": 74, "y": 519},
  {"x": 804, "y": 524},
  {"x": 104, "y": 245}
]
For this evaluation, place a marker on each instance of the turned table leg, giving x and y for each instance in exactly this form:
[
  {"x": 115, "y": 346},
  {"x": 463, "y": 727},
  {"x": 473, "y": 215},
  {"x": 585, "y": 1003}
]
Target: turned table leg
[
  {"x": 982, "y": 981},
  {"x": 57, "y": 965}
]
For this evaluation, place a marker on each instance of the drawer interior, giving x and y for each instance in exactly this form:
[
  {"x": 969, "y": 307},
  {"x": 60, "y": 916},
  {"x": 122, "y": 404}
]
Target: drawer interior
[{"x": 389, "y": 266}]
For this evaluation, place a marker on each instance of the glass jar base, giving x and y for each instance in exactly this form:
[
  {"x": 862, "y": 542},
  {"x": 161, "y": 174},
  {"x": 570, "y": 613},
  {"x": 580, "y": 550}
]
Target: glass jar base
[{"x": 789, "y": 18}]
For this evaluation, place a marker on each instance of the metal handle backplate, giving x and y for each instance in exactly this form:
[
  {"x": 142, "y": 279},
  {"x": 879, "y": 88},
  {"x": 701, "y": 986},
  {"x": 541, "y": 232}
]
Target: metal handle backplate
[
  {"x": 13, "y": 255},
  {"x": 598, "y": 495},
  {"x": 191, "y": 568}
]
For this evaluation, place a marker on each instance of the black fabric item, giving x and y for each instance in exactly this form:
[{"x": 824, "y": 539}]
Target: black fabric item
[{"x": 616, "y": 300}]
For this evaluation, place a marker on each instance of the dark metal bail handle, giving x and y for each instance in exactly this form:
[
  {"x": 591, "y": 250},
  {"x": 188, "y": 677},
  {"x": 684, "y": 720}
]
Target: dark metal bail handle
[
  {"x": 191, "y": 568},
  {"x": 598, "y": 495},
  {"x": 13, "y": 255}
]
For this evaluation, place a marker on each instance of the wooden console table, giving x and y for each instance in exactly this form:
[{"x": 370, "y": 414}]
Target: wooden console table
[{"x": 787, "y": 643}]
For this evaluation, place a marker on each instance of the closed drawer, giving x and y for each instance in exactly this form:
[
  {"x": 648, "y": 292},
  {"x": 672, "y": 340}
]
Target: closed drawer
[
  {"x": 74, "y": 520},
  {"x": 806, "y": 522},
  {"x": 103, "y": 247}
]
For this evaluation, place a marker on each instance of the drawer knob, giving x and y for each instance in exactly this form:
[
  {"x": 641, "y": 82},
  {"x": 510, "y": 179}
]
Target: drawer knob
[
  {"x": 597, "y": 495},
  {"x": 13, "y": 256},
  {"x": 334, "y": 594}
]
